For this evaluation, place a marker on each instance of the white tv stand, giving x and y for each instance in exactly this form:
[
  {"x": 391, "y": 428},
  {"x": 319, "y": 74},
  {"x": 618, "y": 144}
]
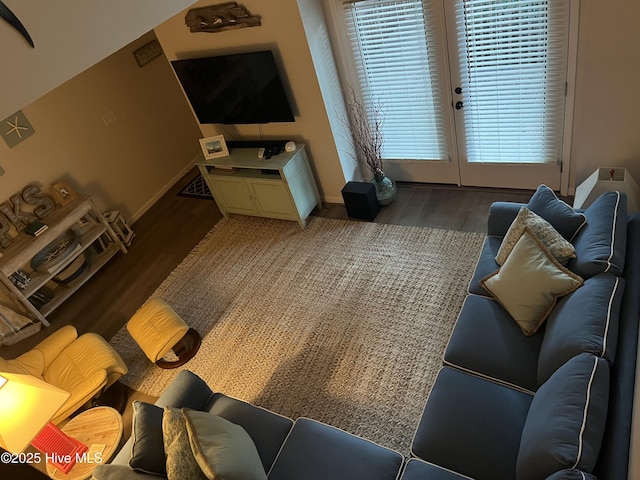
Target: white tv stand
[{"x": 280, "y": 187}]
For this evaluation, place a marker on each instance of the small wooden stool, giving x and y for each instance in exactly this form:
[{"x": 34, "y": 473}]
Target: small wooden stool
[{"x": 157, "y": 329}]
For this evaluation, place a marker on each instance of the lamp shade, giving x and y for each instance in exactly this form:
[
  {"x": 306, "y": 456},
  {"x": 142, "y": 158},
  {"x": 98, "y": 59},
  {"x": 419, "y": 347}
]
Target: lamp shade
[
  {"x": 26, "y": 405},
  {"x": 608, "y": 179}
]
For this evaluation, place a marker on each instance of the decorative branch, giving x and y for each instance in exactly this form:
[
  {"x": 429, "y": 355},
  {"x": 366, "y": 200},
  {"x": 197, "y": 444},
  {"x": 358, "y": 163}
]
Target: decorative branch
[{"x": 366, "y": 132}]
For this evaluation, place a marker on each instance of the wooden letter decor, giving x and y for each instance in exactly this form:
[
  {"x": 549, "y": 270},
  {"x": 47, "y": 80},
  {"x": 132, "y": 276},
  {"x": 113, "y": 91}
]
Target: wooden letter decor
[
  {"x": 220, "y": 17},
  {"x": 12, "y": 213}
]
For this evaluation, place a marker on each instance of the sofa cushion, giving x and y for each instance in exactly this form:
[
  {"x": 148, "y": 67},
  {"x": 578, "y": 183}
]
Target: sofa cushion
[
  {"x": 420, "y": 470},
  {"x": 601, "y": 244},
  {"x": 268, "y": 430},
  {"x": 316, "y": 451},
  {"x": 119, "y": 472},
  {"x": 472, "y": 426},
  {"x": 485, "y": 265},
  {"x": 181, "y": 464},
  {"x": 566, "y": 420},
  {"x": 560, "y": 215},
  {"x": 586, "y": 320},
  {"x": 223, "y": 449},
  {"x": 530, "y": 282},
  {"x": 571, "y": 474},
  {"x": 147, "y": 448},
  {"x": 486, "y": 341},
  {"x": 560, "y": 248}
]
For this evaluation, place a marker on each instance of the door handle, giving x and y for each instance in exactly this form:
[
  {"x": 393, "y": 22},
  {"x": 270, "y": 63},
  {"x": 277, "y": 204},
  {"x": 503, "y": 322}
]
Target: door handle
[{"x": 459, "y": 105}]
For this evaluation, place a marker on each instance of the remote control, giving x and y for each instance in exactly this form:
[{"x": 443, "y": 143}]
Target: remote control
[{"x": 260, "y": 152}]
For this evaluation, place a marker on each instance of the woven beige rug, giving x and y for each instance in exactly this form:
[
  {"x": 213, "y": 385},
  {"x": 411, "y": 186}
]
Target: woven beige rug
[{"x": 345, "y": 322}]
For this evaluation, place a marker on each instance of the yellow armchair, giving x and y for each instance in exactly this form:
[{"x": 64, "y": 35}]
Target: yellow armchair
[{"x": 83, "y": 366}]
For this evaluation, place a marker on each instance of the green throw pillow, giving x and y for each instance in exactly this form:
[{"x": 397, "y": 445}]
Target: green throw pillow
[
  {"x": 530, "y": 282},
  {"x": 181, "y": 464},
  {"x": 223, "y": 449},
  {"x": 561, "y": 249}
]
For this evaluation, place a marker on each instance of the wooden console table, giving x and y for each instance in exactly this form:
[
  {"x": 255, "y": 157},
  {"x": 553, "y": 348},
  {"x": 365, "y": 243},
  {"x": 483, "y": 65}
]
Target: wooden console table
[{"x": 279, "y": 187}]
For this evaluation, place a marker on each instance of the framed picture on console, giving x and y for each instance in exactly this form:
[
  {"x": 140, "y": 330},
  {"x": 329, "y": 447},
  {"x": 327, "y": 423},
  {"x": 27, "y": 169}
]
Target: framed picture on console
[
  {"x": 214, "y": 147},
  {"x": 63, "y": 193}
]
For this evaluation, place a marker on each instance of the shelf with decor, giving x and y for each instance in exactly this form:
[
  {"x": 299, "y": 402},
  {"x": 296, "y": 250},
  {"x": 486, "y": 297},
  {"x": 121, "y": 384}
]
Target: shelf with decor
[{"x": 41, "y": 272}]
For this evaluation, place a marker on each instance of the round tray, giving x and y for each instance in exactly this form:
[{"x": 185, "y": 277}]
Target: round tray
[{"x": 54, "y": 253}]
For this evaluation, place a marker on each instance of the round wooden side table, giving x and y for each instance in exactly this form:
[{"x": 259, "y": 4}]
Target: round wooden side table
[{"x": 96, "y": 426}]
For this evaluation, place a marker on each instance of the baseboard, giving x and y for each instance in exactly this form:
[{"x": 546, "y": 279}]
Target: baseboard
[
  {"x": 164, "y": 190},
  {"x": 338, "y": 200}
]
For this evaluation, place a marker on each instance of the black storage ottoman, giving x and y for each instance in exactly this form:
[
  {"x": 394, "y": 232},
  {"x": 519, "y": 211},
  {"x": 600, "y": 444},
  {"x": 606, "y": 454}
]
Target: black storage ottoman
[{"x": 360, "y": 200}]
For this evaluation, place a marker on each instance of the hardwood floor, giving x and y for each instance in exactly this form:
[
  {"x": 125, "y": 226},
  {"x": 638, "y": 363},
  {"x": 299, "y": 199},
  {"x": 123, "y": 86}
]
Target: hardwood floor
[
  {"x": 170, "y": 229},
  {"x": 165, "y": 234},
  {"x": 438, "y": 206}
]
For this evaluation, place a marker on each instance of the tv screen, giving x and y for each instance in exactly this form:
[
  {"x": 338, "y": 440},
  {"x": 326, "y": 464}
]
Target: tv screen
[{"x": 239, "y": 88}]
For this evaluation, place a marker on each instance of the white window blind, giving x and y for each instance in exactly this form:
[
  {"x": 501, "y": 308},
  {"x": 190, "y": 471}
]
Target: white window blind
[
  {"x": 513, "y": 57},
  {"x": 397, "y": 67}
]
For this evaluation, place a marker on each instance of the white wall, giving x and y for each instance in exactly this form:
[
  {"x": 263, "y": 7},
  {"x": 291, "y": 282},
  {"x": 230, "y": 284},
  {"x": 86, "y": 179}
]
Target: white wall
[
  {"x": 69, "y": 37},
  {"x": 125, "y": 165},
  {"x": 606, "y": 122},
  {"x": 282, "y": 32}
]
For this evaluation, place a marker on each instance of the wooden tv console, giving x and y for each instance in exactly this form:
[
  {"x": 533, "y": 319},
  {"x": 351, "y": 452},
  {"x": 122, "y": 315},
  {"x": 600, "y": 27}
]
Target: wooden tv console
[{"x": 279, "y": 187}]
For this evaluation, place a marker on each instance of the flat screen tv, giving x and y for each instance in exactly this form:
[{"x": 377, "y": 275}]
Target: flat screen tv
[{"x": 234, "y": 89}]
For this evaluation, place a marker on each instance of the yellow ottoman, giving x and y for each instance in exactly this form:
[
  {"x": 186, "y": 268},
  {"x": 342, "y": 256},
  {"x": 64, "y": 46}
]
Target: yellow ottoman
[{"x": 157, "y": 329}]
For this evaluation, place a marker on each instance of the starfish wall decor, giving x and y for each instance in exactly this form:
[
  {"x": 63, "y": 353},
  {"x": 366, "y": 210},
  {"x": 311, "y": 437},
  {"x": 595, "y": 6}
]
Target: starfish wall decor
[{"x": 15, "y": 128}]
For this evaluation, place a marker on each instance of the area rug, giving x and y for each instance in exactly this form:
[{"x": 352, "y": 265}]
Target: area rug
[
  {"x": 197, "y": 188},
  {"x": 345, "y": 322}
]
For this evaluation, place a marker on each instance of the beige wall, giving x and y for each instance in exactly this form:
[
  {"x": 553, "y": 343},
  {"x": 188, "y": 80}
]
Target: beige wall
[
  {"x": 126, "y": 164},
  {"x": 131, "y": 162},
  {"x": 283, "y": 33},
  {"x": 606, "y": 126},
  {"x": 69, "y": 37}
]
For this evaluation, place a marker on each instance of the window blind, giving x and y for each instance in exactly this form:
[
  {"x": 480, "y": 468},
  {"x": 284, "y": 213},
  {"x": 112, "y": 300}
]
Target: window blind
[
  {"x": 513, "y": 57},
  {"x": 392, "y": 47}
]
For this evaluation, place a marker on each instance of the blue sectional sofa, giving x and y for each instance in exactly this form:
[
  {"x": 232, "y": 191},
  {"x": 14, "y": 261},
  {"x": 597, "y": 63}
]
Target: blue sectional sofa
[
  {"x": 300, "y": 449},
  {"x": 554, "y": 404}
]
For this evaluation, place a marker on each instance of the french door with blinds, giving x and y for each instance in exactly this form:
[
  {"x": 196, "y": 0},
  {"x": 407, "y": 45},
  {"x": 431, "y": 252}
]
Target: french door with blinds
[{"x": 473, "y": 92}]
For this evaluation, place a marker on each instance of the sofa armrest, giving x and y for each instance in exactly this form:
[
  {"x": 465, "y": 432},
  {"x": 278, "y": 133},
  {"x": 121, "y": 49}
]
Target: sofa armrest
[
  {"x": 187, "y": 390},
  {"x": 501, "y": 216},
  {"x": 615, "y": 460}
]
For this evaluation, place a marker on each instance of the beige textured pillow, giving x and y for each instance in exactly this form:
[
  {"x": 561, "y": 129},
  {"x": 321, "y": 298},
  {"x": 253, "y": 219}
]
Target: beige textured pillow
[
  {"x": 224, "y": 450},
  {"x": 560, "y": 248},
  {"x": 181, "y": 464},
  {"x": 530, "y": 282}
]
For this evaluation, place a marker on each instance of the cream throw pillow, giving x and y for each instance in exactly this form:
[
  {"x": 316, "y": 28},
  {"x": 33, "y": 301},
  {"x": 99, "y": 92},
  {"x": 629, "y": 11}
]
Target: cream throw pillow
[
  {"x": 530, "y": 282},
  {"x": 560, "y": 248},
  {"x": 224, "y": 450}
]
